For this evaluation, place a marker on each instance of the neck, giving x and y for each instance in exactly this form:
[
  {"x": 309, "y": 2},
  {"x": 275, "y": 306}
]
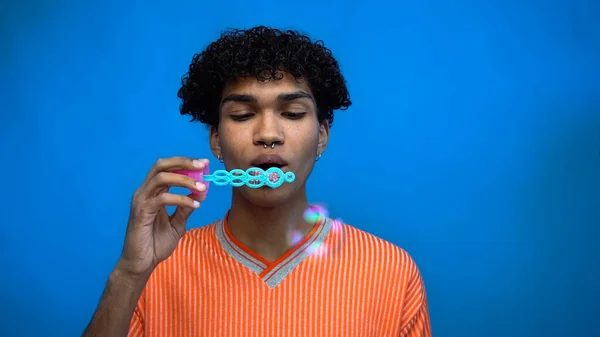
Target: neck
[{"x": 267, "y": 231}]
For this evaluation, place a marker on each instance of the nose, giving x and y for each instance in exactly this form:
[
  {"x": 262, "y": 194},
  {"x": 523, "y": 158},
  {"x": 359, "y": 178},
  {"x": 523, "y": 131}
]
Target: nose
[{"x": 268, "y": 131}]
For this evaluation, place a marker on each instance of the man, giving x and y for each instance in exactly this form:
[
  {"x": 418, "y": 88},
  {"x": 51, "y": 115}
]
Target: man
[{"x": 268, "y": 98}]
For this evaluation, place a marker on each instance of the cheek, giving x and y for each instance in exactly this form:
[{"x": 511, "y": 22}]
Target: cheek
[
  {"x": 305, "y": 143},
  {"x": 233, "y": 140}
]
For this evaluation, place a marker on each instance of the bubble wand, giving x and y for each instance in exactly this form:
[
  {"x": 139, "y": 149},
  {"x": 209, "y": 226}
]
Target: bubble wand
[{"x": 254, "y": 177}]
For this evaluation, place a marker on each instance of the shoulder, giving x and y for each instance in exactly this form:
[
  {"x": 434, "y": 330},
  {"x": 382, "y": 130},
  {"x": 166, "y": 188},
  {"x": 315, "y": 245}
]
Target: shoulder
[
  {"x": 379, "y": 253},
  {"x": 366, "y": 242},
  {"x": 193, "y": 247},
  {"x": 200, "y": 234},
  {"x": 393, "y": 275},
  {"x": 198, "y": 240}
]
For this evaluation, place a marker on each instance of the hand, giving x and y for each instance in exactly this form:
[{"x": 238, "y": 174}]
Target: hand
[{"x": 152, "y": 234}]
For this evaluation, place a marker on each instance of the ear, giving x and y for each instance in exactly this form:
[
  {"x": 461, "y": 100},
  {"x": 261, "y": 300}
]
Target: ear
[
  {"x": 323, "y": 137},
  {"x": 213, "y": 139}
]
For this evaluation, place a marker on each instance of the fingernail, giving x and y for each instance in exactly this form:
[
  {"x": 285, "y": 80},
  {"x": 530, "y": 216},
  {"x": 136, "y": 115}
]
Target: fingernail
[
  {"x": 200, "y": 186},
  {"x": 198, "y": 163},
  {"x": 196, "y": 204}
]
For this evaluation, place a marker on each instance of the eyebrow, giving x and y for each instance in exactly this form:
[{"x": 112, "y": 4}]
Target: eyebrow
[
  {"x": 290, "y": 96},
  {"x": 283, "y": 97}
]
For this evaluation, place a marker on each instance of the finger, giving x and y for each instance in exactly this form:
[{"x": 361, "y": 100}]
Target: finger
[
  {"x": 200, "y": 197},
  {"x": 181, "y": 215},
  {"x": 165, "y": 180},
  {"x": 176, "y": 163},
  {"x": 169, "y": 199}
]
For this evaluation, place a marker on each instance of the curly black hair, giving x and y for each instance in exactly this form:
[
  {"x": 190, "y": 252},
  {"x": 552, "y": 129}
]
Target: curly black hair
[{"x": 263, "y": 53}]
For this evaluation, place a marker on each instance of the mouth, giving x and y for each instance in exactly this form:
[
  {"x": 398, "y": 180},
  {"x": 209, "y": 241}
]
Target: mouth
[
  {"x": 274, "y": 177},
  {"x": 266, "y": 166},
  {"x": 266, "y": 162}
]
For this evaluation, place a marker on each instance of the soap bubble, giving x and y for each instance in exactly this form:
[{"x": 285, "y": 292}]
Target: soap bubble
[{"x": 335, "y": 239}]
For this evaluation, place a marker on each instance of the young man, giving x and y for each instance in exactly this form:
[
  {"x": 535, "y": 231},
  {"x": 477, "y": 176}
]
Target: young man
[{"x": 264, "y": 269}]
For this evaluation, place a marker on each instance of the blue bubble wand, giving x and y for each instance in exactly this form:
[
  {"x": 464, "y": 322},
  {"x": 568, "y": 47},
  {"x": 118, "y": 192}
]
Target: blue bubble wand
[{"x": 254, "y": 177}]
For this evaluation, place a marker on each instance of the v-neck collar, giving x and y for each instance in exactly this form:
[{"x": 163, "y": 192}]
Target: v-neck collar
[{"x": 273, "y": 273}]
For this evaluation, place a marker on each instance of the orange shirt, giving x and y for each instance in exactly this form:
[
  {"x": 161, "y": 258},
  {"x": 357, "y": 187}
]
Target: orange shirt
[{"x": 336, "y": 281}]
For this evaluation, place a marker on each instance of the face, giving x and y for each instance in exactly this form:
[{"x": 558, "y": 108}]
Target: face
[{"x": 281, "y": 112}]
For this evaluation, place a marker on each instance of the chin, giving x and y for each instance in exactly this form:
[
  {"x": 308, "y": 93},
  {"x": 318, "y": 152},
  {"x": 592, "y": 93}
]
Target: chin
[{"x": 268, "y": 197}]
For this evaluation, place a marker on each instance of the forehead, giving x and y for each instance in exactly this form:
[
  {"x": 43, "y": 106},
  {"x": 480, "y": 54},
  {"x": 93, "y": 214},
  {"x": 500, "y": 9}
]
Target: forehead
[{"x": 266, "y": 90}]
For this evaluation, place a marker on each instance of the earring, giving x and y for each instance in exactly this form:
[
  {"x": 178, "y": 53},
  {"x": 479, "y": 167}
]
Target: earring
[
  {"x": 318, "y": 157},
  {"x": 220, "y": 159}
]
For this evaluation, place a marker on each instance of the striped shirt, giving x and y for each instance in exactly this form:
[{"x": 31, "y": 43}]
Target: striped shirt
[{"x": 336, "y": 281}]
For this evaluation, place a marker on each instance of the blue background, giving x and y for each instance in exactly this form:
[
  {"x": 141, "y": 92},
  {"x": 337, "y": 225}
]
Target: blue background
[{"x": 486, "y": 115}]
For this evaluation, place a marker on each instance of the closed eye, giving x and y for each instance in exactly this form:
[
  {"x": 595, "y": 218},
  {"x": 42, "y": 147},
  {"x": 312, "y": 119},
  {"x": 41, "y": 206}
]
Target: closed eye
[
  {"x": 242, "y": 117},
  {"x": 294, "y": 115}
]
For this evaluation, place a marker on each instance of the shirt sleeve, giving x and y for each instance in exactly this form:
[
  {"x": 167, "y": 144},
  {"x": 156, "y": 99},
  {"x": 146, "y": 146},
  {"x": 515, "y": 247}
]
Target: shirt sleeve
[
  {"x": 415, "y": 320},
  {"x": 136, "y": 326}
]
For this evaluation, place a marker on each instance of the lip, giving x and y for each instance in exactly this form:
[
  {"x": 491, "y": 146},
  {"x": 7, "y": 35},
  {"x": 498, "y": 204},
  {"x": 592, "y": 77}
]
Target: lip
[{"x": 269, "y": 159}]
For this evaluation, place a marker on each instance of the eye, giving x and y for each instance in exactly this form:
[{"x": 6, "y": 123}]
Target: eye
[
  {"x": 241, "y": 117},
  {"x": 294, "y": 115}
]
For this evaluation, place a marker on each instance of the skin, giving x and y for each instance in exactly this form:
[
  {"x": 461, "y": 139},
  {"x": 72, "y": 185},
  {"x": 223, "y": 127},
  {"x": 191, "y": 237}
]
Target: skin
[
  {"x": 259, "y": 218},
  {"x": 250, "y": 115}
]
